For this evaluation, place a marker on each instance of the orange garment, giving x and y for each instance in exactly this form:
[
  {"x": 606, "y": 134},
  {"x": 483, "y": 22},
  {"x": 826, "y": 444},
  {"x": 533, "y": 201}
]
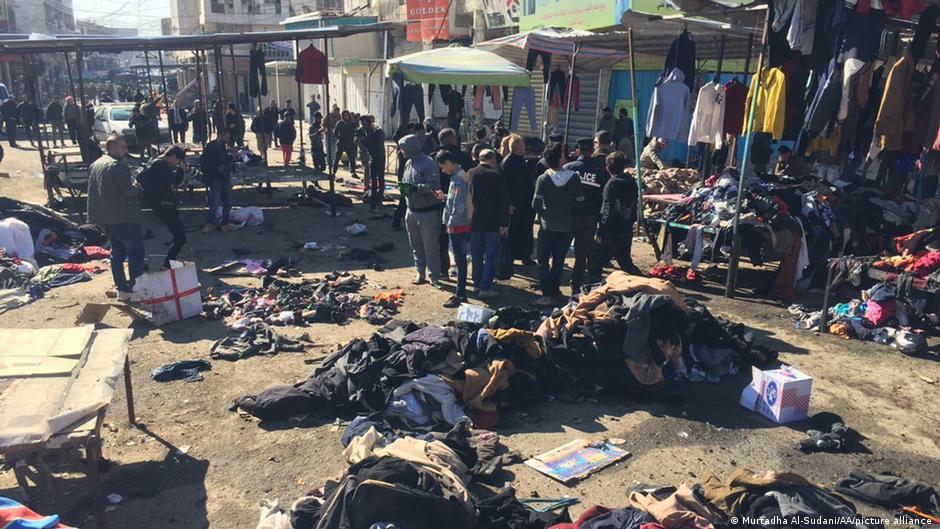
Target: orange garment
[
  {"x": 840, "y": 329},
  {"x": 524, "y": 339},
  {"x": 681, "y": 510},
  {"x": 730, "y": 495},
  {"x": 896, "y": 114},
  {"x": 394, "y": 297},
  {"x": 482, "y": 383}
]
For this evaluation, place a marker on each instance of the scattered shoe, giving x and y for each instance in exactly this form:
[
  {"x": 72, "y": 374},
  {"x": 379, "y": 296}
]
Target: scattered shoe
[
  {"x": 436, "y": 283},
  {"x": 208, "y": 228},
  {"x": 228, "y": 227},
  {"x": 454, "y": 302},
  {"x": 419, "y": 280},
  {"x": 487, "y": 294},
  {"x": 128, "y": 297}
]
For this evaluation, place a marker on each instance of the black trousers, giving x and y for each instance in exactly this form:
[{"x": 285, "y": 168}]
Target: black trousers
[
  {"x": 585, "y": 227},
  {"x": 350, "y": 151},
  {"x": 612, "y": 246},
  {"x": 377, "y": 180},
  {"x": 73, "y": 130},
  {"x": 10, "y": 125},
  {"x": 179, "y": 135},
  {"x": 170, "y": 216}
]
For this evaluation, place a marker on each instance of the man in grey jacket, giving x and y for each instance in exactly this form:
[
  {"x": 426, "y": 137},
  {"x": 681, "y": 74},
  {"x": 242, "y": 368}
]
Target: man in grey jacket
[
  {"x": 114, "y": 205},
  {"x": 421, "y": 187}
]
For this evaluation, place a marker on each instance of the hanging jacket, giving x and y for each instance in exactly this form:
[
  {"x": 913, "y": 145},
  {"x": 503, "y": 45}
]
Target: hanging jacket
[
  {"x": 257, "y": 75},
  {"x": 709, "y": 116},
  {"x": 896, "y": 115},
  {"x": 311, "y": 66},
  {"x": 770, "y": 114},
  {"x": 682, "y": 56},
  {"x": 669, "y": 108},
  {"x": 825, "y": 106}
]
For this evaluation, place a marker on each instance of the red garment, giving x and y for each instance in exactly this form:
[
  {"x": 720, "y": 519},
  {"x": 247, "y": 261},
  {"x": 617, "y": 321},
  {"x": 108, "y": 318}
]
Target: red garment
[
  {"x": 593, "y": 512},
  {"x": 311, "y": 66},
  {"x": 575, "y": 92},
  {"x": 96, "y": 252},
  {"x": 735, "y": 92},
  {"x": 286, "y": 151},
  {"x": 651, "y": 526},
  {"x": 880, "y": 313},
  {"x": 72, "y": 268},
  {"x": 926, "y": 264}
]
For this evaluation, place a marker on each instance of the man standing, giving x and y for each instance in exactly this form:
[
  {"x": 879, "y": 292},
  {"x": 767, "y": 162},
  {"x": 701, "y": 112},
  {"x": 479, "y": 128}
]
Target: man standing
[
  {"x": 490, "y": 222},
  {"x": 72, "y": 115},
  {"x": 345, "y": 134},
  {"x": 263, "y": 129},
  {"x": 623, "y": 127},
  {"x": 143, "y": 128},
  {"x": 218, "y": 115},
  {"x": 113, "y": 204},
  {"x": 420, "y": 185},
  {"x": 447, "y": 141},
  {"x": 457, "y": 214},
  {"x": 290, "y": 110},
  {"x": 618, "y": 212},
  {"x": 558, "y": 196},
  {"x": 11, "y": 116},
  {"x": 216, "y": 167},
  {"x": 29, "y": 116},
  {"x": 589, "y": 168},
  {"x": 234, "y": 125},
  {"x": 273, "y": 113},
  {"x": 200, "y": 120},
  {"x": 332, "y": 119},
  {"x": 179, "y": 122},
  {"x": 521, "y": 185},
  {"x": 312, "y": 108},
  {"x": 606, "y": 121},
  {"x": 158, "y": 182},
  {"x": 56, "y": 120},
  {"x": 375, "y": 141}
]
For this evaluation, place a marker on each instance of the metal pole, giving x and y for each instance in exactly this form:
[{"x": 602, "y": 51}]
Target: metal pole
[
  {"x": 217, "y": 57},
  {"x": 329, "y": 133},
  {"x": 721, "y": 58},
  {"x": 259, "y": 110},
  {"x": 634, "y": 113},
  {"x": 277, "y": 83},
  {"x": 149, "y": 80},
  {"x": 231, "y": 50},
  {"x": 82, "y": 131},
  {"x": 163, "y": 77},
  {"x": 68, "y": 68},
  {"x": 300, "y": 112},
  {"x": 382, "y": 112},
  {"x": 33, "y": 93},
  {"x": 748, "y": 141},
  {"x": 575, "y": 48}
]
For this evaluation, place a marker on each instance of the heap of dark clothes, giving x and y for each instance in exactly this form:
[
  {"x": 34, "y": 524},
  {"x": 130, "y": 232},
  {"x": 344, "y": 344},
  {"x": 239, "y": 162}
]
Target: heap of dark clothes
[
  {"x": 57, "y": 239},
  {"x": 892, "y": 492},
  {"x": 333, "y": 299},
  {"x": 629, "y": 335},
  {"x": 255, "y": 339}
]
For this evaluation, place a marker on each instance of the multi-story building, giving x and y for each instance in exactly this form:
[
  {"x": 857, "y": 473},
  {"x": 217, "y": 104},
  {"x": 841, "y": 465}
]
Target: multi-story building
[{"x": 50, "y": 17}]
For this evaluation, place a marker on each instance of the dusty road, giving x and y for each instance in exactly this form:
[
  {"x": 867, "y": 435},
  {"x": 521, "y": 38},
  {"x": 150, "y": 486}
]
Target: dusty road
[{"x": 231, "y": 463}]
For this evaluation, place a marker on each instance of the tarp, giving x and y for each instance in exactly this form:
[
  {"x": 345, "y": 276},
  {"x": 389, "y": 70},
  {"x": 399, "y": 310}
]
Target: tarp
[
  {"x": 557, "y": 42},
  {"x": 459, "y": 65}
]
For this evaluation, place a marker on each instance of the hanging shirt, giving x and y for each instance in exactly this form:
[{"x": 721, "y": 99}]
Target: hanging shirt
[
  {"x": 708, "y": 119},
  {"x": 771, "y": 111},
  {"x": 669, "y": 108},
  {"x": 734, "y": 107},
  {"x": 311, "y": 66},
  {"x": 896, "y": 115}
]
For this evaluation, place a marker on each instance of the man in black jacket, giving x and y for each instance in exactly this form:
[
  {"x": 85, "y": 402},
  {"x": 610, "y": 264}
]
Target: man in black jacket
[
  {"x": 158, "y": 182},
  {"x": 589, "y": 168},
  {"x": 11, "y": 116},
  {"x": 373, "y": 139},
  {"x": 179, "y": 122},
  {"x": 200, "y": 120},
  {"x": 345, "y": 134},
  {"x": 490, "y": 222},
  {"x": 56, "y": 120},
  {"x": 618, "y": 212},
  {"x": 29, "y": 116},
  {"x": 216, "y": 167}
]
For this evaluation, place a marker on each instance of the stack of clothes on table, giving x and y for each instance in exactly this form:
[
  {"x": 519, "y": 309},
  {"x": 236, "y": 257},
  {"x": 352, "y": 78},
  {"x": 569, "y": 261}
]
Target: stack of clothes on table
[
  {"x": 333, "y": 299},
  {"x": 670, "y": 181},
  {"x": 628, "y": 335},
  {"x": 55, "y": 239},
  {"x": 918, "y": 254}
]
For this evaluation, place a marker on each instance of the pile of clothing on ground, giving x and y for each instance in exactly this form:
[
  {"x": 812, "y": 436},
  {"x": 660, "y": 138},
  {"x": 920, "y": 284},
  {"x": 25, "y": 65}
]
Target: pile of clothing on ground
[
  {"x": 333, "y": 299},
  {"x": 918, "y": 254},
  {"x": 53, "y": 239},
  {"x": 628, "y": 335},
  {"x": 670, "y": 181}
]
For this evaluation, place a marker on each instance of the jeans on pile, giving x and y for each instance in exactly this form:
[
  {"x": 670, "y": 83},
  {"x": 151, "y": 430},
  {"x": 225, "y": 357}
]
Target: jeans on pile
[
  {"x": 127, "y": 244},
  {"x": 552, "y": 249},
  {"x": 484, "y": 247}
]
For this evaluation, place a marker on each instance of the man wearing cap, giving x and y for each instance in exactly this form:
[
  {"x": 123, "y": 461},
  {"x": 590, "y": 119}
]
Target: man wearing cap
[
  {"x": 789, "y": 164},
  {"x": 606, "y": 121},
  {"x": 590, "y": 168}
]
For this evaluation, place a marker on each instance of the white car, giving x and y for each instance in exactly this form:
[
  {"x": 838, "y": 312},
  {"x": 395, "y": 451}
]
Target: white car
[{"x": 113, "y": 117}]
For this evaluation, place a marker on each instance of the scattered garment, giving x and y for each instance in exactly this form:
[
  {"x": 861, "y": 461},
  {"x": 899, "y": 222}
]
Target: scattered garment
[
  {"x": 255, "y": 339},
  {"x": 186, "y": 370}
]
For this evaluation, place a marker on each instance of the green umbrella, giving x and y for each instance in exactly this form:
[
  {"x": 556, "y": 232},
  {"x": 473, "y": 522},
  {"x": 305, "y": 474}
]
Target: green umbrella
[{"x": 459, "y": 65}]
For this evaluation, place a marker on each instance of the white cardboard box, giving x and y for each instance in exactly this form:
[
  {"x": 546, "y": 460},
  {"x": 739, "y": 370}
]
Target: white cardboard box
[
  {"x": 170, "y": 295},
  {"x": 474, "y": 313},
  {"x": 781, "y": 395}
]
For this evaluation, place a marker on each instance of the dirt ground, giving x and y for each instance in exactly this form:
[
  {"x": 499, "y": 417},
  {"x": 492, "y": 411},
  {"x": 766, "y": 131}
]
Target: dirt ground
[{"x": 231, "y": 463}]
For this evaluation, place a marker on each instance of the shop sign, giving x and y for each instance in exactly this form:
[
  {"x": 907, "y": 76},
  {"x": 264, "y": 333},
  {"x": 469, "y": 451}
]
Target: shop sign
[
  {"x": 427, "y": 20},
  {"x": 575, "y": 14}
]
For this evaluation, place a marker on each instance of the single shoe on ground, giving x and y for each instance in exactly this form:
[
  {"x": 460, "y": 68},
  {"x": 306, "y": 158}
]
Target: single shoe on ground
[
  {"x": 436, "y": 283},
  {"x": 454, "y": 302},
  {"x": 128, "y": 297},
  {"x": 228, "y": 227},
  {"x": 419, "y": 280}
]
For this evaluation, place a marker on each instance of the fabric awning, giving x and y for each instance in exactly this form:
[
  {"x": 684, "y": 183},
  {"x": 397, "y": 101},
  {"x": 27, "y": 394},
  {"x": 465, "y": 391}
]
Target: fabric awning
[
  {"x": 459, "y": 65},
  {"x": 559, "y": 43}
]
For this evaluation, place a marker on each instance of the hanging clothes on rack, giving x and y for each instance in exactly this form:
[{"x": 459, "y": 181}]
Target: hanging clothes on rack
[
  {"x": 669, "y": 108},
  {"x": 735, "y": 93},
  {"x": 556, "y": 87},
  {"x": 311, "y": 66},
  {"x": 709, "y": 116},
  {"x": 824, "y": 108},
  {"x": 523, "y": 96},
  {"x": 532, "y": 59},
  {"x": 495, "y": 94},
  {"x": 681, "y": 55},
  {"x": 896, "y": 115},
  {"x": 257, "y": 76},
  {"x": 575, "y": 92},
  {"x": 802, "y": 32},
  {"x": 770, "y": 111}
]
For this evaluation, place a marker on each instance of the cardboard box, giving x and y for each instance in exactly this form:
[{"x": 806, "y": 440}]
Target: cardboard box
[
  {"x": 781, "y": 395},
  {"x": 170, "y": 295},
  {"x": 474, "y": 313}
]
